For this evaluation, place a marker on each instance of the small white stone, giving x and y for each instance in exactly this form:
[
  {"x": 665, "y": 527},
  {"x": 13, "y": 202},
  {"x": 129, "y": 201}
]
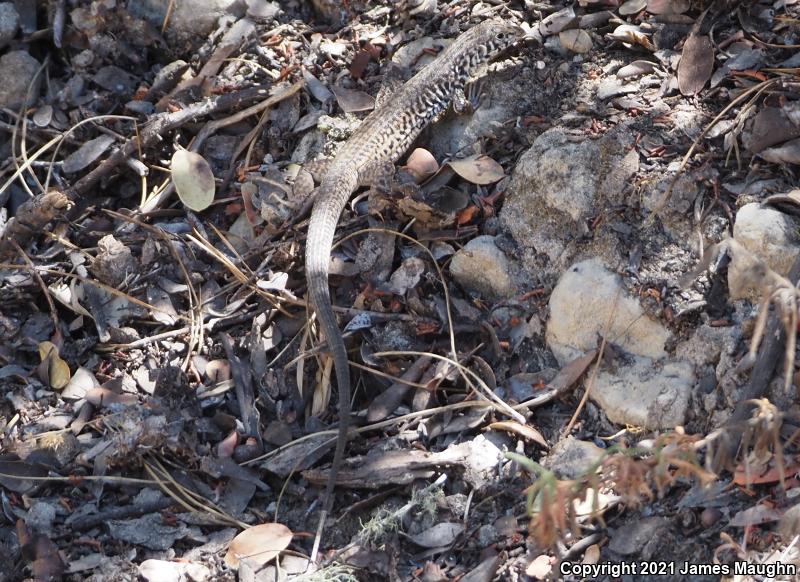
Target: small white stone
[{"x": 482, "y": 267}]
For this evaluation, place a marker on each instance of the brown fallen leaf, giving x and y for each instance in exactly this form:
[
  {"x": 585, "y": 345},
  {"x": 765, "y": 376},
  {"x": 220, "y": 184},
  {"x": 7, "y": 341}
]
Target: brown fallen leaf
[
  {"x": 259, "y": 544},
  {"x": 632, "y": 35},
  {"x": 53, "y": 370},
  {"x": 697, "y": 63},
  {"x": 523, "y": 430},
  {"x": 478, "y": 169}
]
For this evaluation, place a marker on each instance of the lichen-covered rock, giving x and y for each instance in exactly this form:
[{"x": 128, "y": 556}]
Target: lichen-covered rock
[{"x": 559, "y": 184}]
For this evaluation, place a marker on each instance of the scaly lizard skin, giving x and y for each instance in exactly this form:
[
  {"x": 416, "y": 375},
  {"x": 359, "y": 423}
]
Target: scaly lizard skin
[{"x": 369, "y": 154}]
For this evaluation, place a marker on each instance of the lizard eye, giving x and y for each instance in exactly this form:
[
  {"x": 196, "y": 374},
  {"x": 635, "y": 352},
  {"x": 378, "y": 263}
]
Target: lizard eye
[{"x": 501, "y": 36}]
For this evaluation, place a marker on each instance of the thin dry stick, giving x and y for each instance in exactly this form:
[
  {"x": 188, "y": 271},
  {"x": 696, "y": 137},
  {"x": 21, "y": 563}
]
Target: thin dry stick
[{"x": 22, "y": 119}]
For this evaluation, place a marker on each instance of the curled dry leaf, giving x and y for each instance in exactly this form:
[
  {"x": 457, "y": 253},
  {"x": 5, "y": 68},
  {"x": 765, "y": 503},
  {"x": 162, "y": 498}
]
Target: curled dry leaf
[
  {"x": 193, "y": 179},
  {"x": 259, "y": 544},
  {"x": 575, "y": 40},
  {"x": 523, "y": 430},
  {"x": 633, "y": 35},
  {"x": 53, "y": 370},
  {"x": 478, "y": 169},
  {"x": 697, "y": 62},
  {"x": 421, "y": 165}
]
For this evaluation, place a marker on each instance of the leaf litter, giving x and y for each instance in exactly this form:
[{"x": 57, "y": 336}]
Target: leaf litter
[{"x": 164, "y": 396}]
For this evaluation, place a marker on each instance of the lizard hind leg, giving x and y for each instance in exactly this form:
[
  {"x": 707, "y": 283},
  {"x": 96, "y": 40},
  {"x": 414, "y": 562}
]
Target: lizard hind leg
[{"x": 378, "y": 177}]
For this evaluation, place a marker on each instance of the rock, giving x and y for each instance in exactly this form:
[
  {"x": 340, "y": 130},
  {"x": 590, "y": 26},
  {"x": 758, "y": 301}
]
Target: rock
[
  {"x": 9, "y": 23},
  {"x": 113, "y": 262},
  {"x": 559, "y": 184},
  {"x": 482, "y": 267},
  {"x": 581, "y": 307},
  {"x": 715, "y": 346},
  {"x": 166, "y": 571},
  {"x": 40, "y": 517},
  {"x": 572, "y": 458},
  {"x": 771, "y": 236},
  {"x": 645, "y": 394},
  {"x": 632, "y": 538},
  {"x": 190, "y": 20},
  {"x": 17, "y": 69}
]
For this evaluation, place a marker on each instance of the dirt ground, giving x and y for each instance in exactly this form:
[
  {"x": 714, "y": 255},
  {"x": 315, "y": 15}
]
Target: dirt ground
[{"x": 570, "y": 314}]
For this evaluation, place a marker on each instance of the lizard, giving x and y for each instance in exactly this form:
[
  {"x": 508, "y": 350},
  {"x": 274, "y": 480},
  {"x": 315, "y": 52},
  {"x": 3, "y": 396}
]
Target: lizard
[{"x": 369, "y": 155}]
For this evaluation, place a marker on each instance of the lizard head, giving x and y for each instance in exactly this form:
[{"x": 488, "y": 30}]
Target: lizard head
[{"x": 484, "y": 41}]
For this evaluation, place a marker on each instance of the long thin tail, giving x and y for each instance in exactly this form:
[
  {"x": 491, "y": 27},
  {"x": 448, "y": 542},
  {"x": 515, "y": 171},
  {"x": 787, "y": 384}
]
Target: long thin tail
[{"x": 331, "y": 200}]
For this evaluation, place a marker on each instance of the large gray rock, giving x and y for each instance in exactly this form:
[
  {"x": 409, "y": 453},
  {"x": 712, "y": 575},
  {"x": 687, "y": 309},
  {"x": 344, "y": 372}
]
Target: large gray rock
[
  {"x": 770, "y": 235},
  {"x": 559, "y": 184},
  {"x": 645, "y": 394},
  {"x": 17, "y": 70},
  {"x": 588, "y": 299}
]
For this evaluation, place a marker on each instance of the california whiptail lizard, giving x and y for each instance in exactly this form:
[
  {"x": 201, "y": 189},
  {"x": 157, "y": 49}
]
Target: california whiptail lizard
[{"x": 368, "y": 155}]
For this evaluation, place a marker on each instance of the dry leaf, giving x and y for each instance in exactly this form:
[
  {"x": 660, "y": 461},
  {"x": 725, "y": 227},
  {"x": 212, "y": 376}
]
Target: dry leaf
[
  {"x": 697, "y": 63},
  {"x": 667, "y": 6},
  {"x": 540, "y": 567},
  {"x": 53, "y": 370},
  {"x": 575, "y": 40},
  {"x": 591, "y": 555},
  {"x": 523, "y": 430},
  {"x": 478, "y": 169},
  {"x": 259, "y": 544},
  {"x": 86, "y": 154},
  {"x": 442, "y": 534},
  {"x": 193, "y": 179},
  {"x": 632, "y": 35},
  {"x": 351, "y": 100},
  {"x": 421, "y": 165},
  {"x": 632, "y": 7}
]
